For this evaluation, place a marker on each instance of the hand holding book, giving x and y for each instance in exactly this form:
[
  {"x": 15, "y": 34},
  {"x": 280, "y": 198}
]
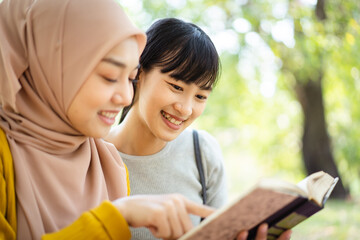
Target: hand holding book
[{"x": 262, "y": 233}]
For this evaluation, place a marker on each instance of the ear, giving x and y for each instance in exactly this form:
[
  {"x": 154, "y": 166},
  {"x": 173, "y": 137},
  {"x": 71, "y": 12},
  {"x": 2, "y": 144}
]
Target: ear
[{"x": 140, "y": 77}]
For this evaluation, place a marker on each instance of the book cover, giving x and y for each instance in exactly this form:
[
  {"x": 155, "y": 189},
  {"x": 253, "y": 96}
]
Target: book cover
[{"x": 281, "y": 205}]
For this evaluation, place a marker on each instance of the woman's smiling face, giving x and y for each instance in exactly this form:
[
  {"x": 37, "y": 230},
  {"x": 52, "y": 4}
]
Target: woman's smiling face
[
  {"x": 107, "y": 90},
  {"x": 167, "y": 106}
]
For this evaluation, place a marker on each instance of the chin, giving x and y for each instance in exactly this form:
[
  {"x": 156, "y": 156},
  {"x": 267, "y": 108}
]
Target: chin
[
  {"x": 100, "y": 133},
  {"x": 170, "y": 137}
]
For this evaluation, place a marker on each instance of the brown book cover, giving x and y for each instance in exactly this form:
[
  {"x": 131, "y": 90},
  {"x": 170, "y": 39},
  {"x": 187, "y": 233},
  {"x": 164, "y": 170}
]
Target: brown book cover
[{"x": 282, "y": 205}]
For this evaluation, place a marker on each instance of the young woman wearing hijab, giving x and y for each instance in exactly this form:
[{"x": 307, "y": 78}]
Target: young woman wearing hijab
[
  {"x": 179, "y": 67},
  {"x": 66, "y": 69}
]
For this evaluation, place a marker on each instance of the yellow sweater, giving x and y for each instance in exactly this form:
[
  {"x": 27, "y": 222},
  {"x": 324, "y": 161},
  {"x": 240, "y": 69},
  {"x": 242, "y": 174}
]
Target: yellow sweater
[{"x": 103, "y": 222}]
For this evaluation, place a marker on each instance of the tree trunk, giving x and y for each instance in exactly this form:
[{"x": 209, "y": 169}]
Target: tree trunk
[{"x": 316, "y": 149}]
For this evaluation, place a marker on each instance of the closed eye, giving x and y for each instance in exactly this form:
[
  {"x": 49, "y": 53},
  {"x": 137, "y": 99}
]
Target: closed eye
[
  {"x": 176, "y": 87},
  {"x": 201, "y": 97},
  {"x": 132, "y": 80},
  {"x": 110, "y": 79}
]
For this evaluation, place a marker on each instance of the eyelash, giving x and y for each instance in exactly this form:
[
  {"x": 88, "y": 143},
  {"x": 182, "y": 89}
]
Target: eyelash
[
  {"x": 132, "y": 80},
  {"x": 201, "y": 97},
  {"x": 110, "y": 80},
  {"x": 178, "y": 88}
]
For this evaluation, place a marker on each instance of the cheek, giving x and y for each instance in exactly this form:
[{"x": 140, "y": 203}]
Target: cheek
[
  {"x": 152, "y": 99},
  {"x": 78, "y": 114},
  {"x": 97, "y": 96},
  {"x": 198, "y": 109},
  {"x": 97, "y": 100},
  {"x": 77, "y": 106},
  {"x": 95, "y": 92}
]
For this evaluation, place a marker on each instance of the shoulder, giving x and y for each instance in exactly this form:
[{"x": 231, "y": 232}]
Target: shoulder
[
  {"x": 205, "y": 138},
  {"x": 208, "y": 141},
  {"x": 209, "y": 147}
]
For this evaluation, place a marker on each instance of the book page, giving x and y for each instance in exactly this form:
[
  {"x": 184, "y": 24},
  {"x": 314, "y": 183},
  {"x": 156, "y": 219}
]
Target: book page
[
  {"x": 283, "y": 186},
  {"x": 243, "y": 214},
  {"x": 318, "y": 185}
]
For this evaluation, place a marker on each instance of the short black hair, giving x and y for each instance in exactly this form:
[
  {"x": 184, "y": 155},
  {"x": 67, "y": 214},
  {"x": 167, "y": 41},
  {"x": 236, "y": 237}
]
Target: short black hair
[{"x": 182, "y": 49}]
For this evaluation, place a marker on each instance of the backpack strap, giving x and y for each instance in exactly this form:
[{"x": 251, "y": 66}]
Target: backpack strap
[{"x": 199, "y": 164}]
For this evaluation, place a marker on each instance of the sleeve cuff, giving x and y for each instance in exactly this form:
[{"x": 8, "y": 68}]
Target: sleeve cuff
[{"x": 114, "y": 223}]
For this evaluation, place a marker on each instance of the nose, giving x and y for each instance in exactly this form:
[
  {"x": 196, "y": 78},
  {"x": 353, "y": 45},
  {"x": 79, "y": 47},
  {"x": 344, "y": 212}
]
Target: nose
[
  {"x": 184, "y": 107},
  {"x": 123, "y": 94}
]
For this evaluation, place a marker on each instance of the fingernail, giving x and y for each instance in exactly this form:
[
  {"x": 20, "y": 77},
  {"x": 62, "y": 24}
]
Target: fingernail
[
  {"x": 289, "y": 234},
  {"x": 264, "y": 228},
  {"x": 244, "y": 235}
]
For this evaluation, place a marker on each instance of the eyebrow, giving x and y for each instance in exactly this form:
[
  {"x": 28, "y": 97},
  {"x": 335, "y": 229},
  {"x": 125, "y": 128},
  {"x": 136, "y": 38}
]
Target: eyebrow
[
  {"x": 117, "y": 63},
  {"x": 206, "y": 88}
]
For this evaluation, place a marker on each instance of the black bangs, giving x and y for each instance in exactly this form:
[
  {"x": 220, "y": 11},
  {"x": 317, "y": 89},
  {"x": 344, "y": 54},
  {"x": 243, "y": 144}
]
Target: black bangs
[
  {"x": 183, "y": 50},
  {"x": 193, "y": 62}
]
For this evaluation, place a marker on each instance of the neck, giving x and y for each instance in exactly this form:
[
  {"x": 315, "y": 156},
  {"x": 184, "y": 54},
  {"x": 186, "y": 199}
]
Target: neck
[{"x": 134, "y": 138}]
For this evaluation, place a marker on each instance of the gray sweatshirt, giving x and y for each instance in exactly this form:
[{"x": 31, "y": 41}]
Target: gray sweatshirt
[{"x": 173, "y": 170}]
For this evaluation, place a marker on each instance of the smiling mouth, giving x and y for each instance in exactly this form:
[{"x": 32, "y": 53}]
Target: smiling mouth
[
  {"x": 109, "y": 115},
  {"x": 171, "y": 119}
]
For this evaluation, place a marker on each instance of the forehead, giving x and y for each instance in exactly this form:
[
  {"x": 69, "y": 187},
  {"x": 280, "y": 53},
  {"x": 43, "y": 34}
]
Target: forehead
[{"x": 125, "y": 54}]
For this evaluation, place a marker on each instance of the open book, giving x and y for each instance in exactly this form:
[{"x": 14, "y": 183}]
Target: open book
[{"x": 280, "y": 204}]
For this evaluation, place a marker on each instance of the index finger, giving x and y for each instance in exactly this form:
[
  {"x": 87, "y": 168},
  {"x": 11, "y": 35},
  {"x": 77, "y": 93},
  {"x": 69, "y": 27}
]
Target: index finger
[{"x": 198, "y": 209}]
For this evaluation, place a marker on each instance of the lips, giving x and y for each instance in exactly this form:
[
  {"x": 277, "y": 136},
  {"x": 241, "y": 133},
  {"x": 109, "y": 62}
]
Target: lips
[
  {"x": 171, "y": 118},
  {"x": 108, "y": 117},
  {"x": 108, "y": 114}
]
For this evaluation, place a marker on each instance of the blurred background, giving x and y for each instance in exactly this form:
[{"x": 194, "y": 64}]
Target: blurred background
[{"x": 287, "y": 102}]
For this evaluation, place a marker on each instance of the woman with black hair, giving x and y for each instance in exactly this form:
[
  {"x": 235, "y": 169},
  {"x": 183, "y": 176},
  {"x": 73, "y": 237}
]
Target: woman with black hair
[{"x": 178, "y": 69}]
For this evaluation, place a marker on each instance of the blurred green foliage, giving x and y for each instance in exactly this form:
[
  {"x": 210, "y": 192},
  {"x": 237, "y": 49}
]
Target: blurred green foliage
[
  {"x": 266, "y": 48},
  {"x": 338, "y": 220}
]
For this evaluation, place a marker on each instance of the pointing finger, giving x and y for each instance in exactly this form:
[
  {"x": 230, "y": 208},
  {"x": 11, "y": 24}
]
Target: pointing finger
[{"x": 198, "y": 209}]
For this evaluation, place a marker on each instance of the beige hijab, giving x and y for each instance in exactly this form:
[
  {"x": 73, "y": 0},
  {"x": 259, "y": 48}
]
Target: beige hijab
[{"x": 48, "y": 48}]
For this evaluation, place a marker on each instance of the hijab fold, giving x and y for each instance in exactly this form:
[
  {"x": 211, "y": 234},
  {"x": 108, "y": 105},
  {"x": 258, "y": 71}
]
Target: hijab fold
[{"x": 47, "y": 50}]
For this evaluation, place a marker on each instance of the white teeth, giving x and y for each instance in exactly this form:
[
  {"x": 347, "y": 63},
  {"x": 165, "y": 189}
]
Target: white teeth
[
  {"x": 171, "y": 119},
  {"x": 108, "y": 114}
]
